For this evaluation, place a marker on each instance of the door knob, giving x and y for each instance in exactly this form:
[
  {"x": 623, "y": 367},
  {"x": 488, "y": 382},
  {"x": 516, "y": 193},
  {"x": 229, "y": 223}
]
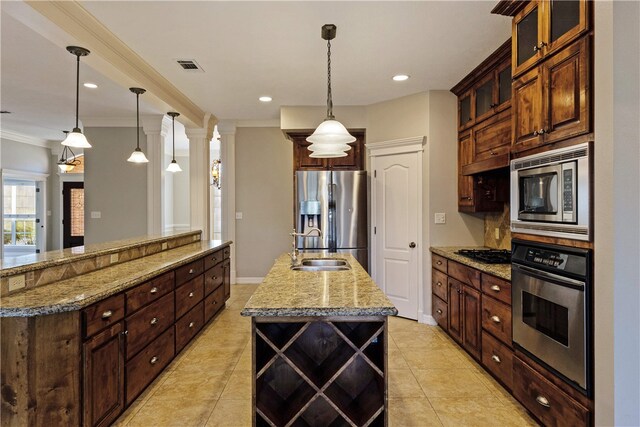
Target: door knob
[{"x": 412, "y": 245}]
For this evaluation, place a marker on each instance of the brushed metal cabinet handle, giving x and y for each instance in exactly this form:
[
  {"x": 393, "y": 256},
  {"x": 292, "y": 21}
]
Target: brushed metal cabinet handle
[
  {"x": 192, "y": 324},
  {"x": 543, "y": 401},
  {"x": 190, "y": 294},
  {"x": 439, "y": 262},
  {"x": 439, "y": 283},
  {"x": 107, "y": 314},
  {"x": 154, "y": 360},
  {"x": 153, "y": 290},
  {"x": 496, "y": 319},
  {"x": 496, "y": 358},
  {"x": 154, "y": 321},
  {"x": 439, "y": 311},
  {"x": 495, "y": 288},
  {"x": 191, "y": 271}
]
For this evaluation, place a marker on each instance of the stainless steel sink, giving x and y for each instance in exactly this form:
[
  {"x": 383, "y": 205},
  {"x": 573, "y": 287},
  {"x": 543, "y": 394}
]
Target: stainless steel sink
[{"x": 322, "y": 264}]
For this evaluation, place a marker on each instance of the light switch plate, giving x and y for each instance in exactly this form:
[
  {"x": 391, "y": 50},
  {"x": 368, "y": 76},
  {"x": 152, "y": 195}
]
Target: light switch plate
[
  {"x": 96, "y": 214},
  {"x": 238, "y": 215},
  {"x": 496, "y": 233},
  {"x": 113, "y": 259},
  {"x": 440, "y": 218},
  {"x": 164, "y": 246},
  {"x": 16, "y": 282}
]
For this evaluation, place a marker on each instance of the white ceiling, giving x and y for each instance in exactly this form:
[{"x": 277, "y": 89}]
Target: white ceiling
[{"x": 249, "y": 49}]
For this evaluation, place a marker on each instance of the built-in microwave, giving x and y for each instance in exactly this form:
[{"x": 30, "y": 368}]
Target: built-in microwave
[{"x": 550, "y": 193}]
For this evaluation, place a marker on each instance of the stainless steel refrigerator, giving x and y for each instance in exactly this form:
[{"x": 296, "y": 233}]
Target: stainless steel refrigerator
[{"x": 336, "y": 203}]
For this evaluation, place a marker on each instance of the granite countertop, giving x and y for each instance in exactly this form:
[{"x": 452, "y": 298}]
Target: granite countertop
[
  {"x": 285, "y": 292},
  {"x": 502, "y": 271},
  {"x": 25, "y": 263},
  {"x": 80, "y": 291}
]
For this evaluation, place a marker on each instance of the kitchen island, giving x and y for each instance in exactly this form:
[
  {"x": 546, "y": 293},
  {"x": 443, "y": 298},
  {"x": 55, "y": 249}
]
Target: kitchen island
[{"x": 319, "y": 343}]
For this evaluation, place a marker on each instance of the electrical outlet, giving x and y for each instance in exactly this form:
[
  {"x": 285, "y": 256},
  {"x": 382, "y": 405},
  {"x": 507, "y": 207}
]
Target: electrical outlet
[
  {"x": 440, "y": 218},
  {"x": 16, "y": 282},
  {"x": 496, "y": 233},
  {"x": 113, "y": 259},
  {"x": 96, "y": 214},
  {"x": 238, "y": 215},
  {"x": 164, "y": 246}
]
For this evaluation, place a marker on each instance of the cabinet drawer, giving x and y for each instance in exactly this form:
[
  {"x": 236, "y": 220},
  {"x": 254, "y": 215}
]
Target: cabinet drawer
[
  {"x": 213, "y": 258},
  {"x": 439, "y": 311},
  {"x": 497, "y": 358},
  {"x": 188, "y": 326},
  {"x": 188, "y": 295},
  {"x": 547, "y": 402},
  {"x": 497, "y": 288},
  {"x": 467, "y": 275},
  {"x": 143, "y": 368},
  {"x": 439, "y": 284},
  {"x": 496, "y": 318},
  {"x": 213, "y": 278},
  {"x": 148, "y": 292},
  {"x": 213, "y": 303},
  {"x": 227, "y": 252},
  {"x": 146, "y": 324},
  {"x": 439, "y": 263},
  {"x": 102, "y": 314},
  {"x": 189, "y": 271}
]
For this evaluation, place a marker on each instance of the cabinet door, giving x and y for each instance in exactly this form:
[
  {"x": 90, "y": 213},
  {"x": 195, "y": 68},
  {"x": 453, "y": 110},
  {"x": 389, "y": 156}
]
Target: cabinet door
[
  {"x": 502, "y": 97},
  {"x": 484, "y": 97},
  {"x": 492, "y": 140},
  {"x": 527, "y": 31},
  {"x": 465, "y": 183},
  {"x": 566, "y": 92},
  {"x": 352, "y": 161},
  {"x": 565, "y": 20},
  {"x": 455, "y": 309},
  {"x": 526, "y": 111},
  {"x": 302, "y": 159},
  {"x": 465, "y": 114},
  {"x": 471, "y": 320},
  {"x": 227, "y": 279},
  {"x": 103, "y": 396}
]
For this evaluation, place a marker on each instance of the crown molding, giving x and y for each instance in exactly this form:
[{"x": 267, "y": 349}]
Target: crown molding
[
  {"x": 25, "y": 139},
  {"x": 227, "y": 127},
  {"x": 76, "y": 21},
  {"x": 396, "y": 146}
]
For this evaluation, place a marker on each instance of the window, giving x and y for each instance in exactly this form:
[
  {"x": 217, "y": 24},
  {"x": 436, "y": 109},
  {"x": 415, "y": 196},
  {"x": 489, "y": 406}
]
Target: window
[{"x": 19, "y": 204}]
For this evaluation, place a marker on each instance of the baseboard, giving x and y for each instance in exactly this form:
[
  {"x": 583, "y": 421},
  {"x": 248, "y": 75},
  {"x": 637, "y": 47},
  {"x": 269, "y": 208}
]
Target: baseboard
[
  {"x": 248, "y": 280},
  {"x": 429, "y": 320}
]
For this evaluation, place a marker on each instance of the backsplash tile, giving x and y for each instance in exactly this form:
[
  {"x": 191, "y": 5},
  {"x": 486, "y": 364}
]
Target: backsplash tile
[{"x": 501, "y": 221}]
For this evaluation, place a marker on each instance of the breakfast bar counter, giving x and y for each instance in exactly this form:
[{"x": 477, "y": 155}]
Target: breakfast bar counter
[{"x": 319, "y": 346}]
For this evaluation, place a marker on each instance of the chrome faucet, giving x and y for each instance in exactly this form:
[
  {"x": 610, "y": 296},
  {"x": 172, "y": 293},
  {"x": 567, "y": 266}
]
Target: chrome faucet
[{"x": 294, "y": 254}]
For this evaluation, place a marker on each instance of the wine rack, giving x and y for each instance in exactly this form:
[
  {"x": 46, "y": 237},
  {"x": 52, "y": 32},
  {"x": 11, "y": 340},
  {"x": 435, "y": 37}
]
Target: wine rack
[{"x": 320, "y": 373}]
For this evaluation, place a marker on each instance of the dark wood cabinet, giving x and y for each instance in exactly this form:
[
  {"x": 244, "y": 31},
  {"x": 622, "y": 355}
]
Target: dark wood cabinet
[
  {"x": 471, "y": 320},
  {"x": 354, "y": 160},
  {"x": 456, "y": 316},
  {"x": 103, "y": 395},
  {"x": 552, "y": 102},
  {"x": 490, "y": 142},
  {"x": 544, "y": 27},
  {"x": 465, "y": 114},
  {"x": 498, "y": 359},
  {"x": 227, "y": 279},
  {"x": 465, "y": 183}
]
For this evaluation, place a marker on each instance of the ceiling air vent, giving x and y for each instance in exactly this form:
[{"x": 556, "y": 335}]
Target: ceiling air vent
[{"x": 189, "y": 65}]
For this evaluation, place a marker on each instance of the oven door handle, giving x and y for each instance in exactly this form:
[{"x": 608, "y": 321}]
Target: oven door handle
[{"x": 564, "y": 281}]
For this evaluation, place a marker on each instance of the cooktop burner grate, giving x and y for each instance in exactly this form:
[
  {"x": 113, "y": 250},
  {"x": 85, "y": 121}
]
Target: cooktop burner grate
[{"x": 489, "y": 256}]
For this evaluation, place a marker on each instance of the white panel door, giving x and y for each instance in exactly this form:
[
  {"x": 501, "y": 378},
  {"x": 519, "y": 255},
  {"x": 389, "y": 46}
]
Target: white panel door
[{"x": 396, "y": 207}]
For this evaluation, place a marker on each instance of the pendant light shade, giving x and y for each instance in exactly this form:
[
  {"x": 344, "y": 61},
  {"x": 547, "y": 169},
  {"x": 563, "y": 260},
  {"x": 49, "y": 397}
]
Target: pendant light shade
[
  {"x": 173, "y": 166},
  {"x": 75, "y": 138},
  {"x": 330, "y": 139},
  {"x": 137, "y": 156},
  {"x": 67, "y": 159}
]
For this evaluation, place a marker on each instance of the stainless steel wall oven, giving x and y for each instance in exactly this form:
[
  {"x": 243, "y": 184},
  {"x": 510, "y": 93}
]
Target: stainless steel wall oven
[{"x": 551, "y": 293}]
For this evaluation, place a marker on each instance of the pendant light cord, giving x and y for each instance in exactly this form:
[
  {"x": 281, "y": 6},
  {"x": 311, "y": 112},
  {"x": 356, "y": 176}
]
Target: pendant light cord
[
  {"x": 77, "y": 88},
  {"x": 329, "y": 100},
  {"x": 173, "y": 136},
  {"x": 137, "y": 121}
]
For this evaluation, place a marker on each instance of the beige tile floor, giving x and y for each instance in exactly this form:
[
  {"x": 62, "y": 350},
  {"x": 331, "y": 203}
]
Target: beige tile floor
[{"x": 432, "y": 382}]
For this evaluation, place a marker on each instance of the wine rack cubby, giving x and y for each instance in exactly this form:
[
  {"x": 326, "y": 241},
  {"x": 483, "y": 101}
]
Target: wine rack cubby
[{"x": 320, "y": 372}]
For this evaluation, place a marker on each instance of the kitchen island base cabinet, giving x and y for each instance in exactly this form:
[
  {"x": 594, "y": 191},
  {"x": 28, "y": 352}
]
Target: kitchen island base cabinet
[{"x": 320, "y": 371}]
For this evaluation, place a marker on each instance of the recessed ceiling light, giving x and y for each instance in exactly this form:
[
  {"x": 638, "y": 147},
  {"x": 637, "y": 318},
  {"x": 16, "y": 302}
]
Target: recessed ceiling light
[
  {"x": 400, "y": 77},
  {"x": 91, "y": 85},
  {"x": 265, "y": 99}
]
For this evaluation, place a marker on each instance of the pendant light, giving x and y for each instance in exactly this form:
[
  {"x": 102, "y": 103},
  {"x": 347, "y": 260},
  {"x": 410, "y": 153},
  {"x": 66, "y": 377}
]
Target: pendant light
[
  {"x": 66, "y": 162},
  {"x": 137, "y": 156},
  {"x": 173, "y": 166},
  {"x": 330, "y": 139},
  {"x": 75, "y": 138}
]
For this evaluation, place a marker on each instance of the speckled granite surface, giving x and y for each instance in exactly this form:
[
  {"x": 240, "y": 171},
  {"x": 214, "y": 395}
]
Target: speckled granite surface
[
  {"x": 47, "y": 259},
  {"x": 285, "y": 292},
  {"x": 499, "y": 270},
  {"x": 81, "y": 291}
]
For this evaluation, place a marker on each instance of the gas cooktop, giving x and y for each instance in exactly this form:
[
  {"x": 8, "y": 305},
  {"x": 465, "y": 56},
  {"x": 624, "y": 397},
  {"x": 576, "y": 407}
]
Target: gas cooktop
[{"x": 488, "y": 256}]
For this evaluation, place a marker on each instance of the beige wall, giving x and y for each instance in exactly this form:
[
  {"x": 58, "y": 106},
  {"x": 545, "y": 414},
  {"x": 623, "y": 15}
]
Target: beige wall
[
  {"x": 309, "y": 117},
  {"x": 398, "y": 118},
  {"x": 264, "y": 195},
  {"x": 113, "y": 186}
]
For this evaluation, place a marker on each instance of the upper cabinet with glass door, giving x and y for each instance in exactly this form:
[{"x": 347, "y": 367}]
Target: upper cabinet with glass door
[{"x": 545, "y": 26}]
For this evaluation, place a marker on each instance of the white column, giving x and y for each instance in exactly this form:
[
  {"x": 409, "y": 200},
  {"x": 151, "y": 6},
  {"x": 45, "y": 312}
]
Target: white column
[
  {"x": 199, "y": 165},
  {"x": 156, "y": 129},
  {"x": 227, "y": 131}
]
